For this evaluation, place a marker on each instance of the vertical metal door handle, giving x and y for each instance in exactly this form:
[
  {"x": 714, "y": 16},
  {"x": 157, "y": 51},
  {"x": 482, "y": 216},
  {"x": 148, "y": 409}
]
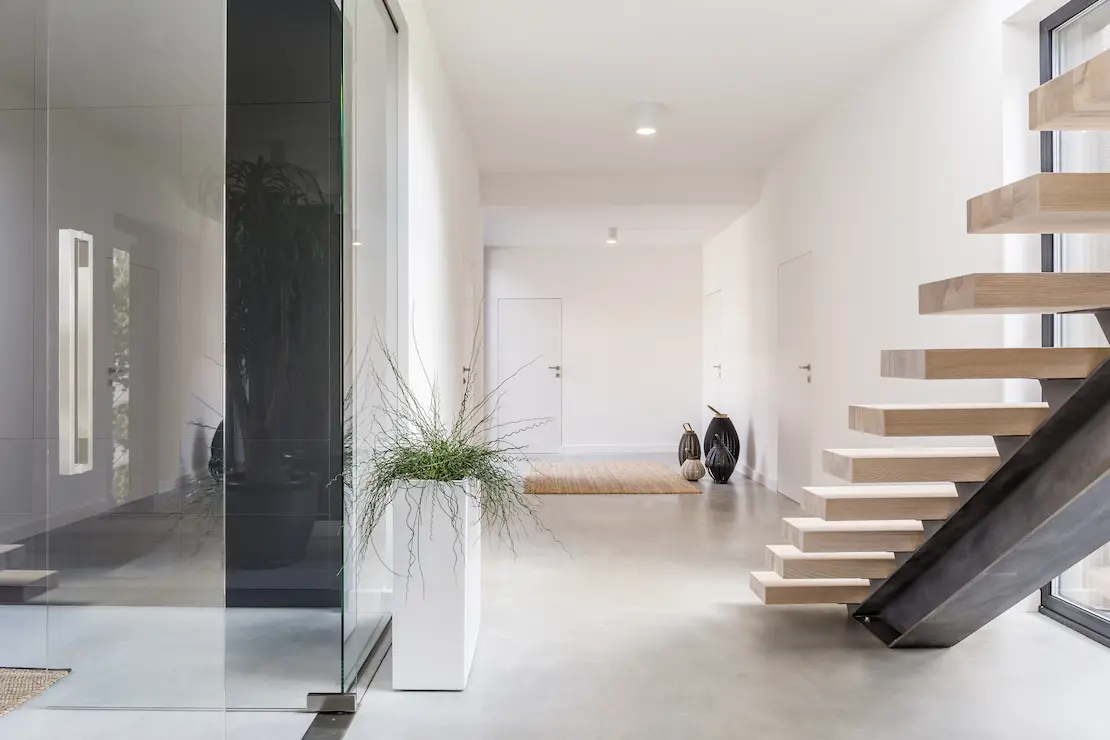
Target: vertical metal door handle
[{"x": 76, "y": 262}]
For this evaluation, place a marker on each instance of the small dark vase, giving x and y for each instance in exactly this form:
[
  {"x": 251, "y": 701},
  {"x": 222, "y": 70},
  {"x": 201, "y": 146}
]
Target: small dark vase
[
  {"x": 720, "y": 462},
  {"x": 723, "y": 426},
  {"x": 689, "y": 448}
]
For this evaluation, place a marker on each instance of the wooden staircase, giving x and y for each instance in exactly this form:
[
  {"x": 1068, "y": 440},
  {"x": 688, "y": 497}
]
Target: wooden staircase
[{"x": 859, "y": 535}]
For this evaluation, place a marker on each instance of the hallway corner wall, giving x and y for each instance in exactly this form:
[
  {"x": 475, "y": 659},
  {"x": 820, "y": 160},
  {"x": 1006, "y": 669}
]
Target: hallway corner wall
[
  {"x": 444, "y": 224},
  {"x": 875, "y": 189}
]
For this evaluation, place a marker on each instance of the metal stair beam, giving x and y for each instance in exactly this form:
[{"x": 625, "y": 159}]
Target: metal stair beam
[{"x": 1045, "y": 509}]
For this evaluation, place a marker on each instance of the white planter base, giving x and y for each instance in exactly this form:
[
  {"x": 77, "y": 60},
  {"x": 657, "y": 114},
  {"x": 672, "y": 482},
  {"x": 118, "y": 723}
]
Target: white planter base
[{"x": 437, "y": 602}]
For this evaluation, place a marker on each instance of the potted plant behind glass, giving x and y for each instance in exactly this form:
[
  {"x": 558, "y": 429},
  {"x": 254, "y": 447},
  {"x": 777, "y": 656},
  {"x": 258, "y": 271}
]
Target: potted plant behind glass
[
  {"x": 278, "y": 223},
  {"x": 447, "y": 479}
]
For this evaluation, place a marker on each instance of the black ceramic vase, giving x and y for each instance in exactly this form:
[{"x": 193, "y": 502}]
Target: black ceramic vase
[
  {"x": 723, "y": 426},
  {"x": 719, "y": 461},
  {"x": 689, "y": 448}
]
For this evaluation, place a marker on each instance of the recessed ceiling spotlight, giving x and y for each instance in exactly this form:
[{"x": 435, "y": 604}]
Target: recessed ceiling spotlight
[
  {"x": 612, "y": 235},
  {"x": 647, "y": 117}
]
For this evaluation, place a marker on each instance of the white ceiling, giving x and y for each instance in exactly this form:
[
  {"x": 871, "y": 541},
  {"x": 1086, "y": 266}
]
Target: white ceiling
[
  {"x": 638, "y": 227},
  {"x": 546, "y": 85}
]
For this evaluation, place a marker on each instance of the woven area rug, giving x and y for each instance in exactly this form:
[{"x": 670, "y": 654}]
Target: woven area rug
[
  {"x": 605, "y": 477},
  {"x": 19, "y": 685}
]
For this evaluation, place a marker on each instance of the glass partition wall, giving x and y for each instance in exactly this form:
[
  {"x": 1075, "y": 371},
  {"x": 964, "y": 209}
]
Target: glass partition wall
[
  {"x": 198, "y": 225},
  {"x": 1081, "y": 596}
]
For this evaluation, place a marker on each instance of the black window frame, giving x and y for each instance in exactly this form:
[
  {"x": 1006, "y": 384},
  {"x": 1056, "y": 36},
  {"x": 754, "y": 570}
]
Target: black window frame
[{"x": 1071, "y": 615}]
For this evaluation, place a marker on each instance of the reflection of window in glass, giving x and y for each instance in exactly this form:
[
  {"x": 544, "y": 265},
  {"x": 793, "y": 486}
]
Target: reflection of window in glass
[
  {"x": 75, "y": 351},
  {"x": 120, "y": 376}
]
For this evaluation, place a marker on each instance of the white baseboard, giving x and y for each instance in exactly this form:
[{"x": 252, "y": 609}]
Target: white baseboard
[
  {"x": 763, "y": 480},
  {"x": 619, "y": 449}
]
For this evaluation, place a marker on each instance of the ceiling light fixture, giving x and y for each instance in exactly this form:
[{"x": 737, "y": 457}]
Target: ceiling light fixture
[
  {"x": 647, "y": 117},
  {"x": 612, "y": 235}
]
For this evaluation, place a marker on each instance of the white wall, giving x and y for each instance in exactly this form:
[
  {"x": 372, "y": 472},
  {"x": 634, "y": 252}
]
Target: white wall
[
  {"x": 444, "y": 225},
  {"x": 631, "y": 339},
  {"x": 876, "y": 189}
]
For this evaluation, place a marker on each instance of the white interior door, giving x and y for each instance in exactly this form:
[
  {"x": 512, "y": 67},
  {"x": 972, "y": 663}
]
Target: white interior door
[
  {"x": 795, "y": 374},
  {"x": 712, "y": 351},
  {"x": 530, "y": 344}
]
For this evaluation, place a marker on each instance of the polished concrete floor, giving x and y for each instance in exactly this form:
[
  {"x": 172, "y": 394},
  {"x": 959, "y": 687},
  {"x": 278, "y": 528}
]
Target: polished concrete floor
[
  {"x": 637, "y": 622},
  {"x": 178, "y": 657},
  {"x": 34, "y": 723},
  {"x": 640, "y": 624}
]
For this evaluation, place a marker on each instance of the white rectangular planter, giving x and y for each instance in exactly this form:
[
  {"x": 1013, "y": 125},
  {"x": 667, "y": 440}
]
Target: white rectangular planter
[{"x": 437, "y": 602}]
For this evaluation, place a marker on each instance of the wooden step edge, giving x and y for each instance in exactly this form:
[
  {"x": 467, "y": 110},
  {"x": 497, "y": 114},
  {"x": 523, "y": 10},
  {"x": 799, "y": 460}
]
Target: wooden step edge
[
  {"x": 1077, "y": 100},
  {"x": 1032, "y": 363},
  {"x": 791, "y": 563},
  {"x": 813, "y": 524},
  {"x": 947, "y": 420},
  {"x": 775, "y": 591},
  {"x": 915, "y": 465},
  {"x": 819, "y": 535},
  {"x": 933, "y": 502},
  {"x": 25, "y": 577},
  {"x": 1015, "y": 293},
  {"x": 1045, "y": 203}
]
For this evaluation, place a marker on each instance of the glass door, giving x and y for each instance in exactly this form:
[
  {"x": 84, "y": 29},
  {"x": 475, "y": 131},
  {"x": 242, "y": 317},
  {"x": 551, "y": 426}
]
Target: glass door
[
  {"x": 111, "y": 348},
  {"x": 370, "y": 228},
  {"x": 1080, "y": 596}
]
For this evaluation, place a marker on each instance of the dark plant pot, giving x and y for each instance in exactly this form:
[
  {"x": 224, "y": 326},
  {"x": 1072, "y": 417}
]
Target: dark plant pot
[
  {"x": 719, "y": 462},
  {"x": 689, "y": 448},
  {"x": 268, "y": 525},
  {"x": 723, "y": 426}
]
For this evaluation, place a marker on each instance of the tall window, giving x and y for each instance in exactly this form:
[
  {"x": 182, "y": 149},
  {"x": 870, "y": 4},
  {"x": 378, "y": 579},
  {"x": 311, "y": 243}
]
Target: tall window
[{"x": 1080, "y": 30}]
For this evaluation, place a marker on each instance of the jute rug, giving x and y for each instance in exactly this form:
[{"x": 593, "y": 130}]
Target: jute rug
[
  {"x": 605, "y": 477},
  {"x": 19, "y": 685}
]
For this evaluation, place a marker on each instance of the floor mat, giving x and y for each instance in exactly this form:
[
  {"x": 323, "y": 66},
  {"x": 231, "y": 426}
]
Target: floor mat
[
  {"x": 605, "y": 477},
  {"x": 19, "y": 685}
]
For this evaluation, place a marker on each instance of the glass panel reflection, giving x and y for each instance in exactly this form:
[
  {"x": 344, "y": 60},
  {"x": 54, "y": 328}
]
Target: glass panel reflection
[
  {"x": 370, "y": 256},
  {"x": 170, "y": 497},
  {"x": 112, "y": 123}
]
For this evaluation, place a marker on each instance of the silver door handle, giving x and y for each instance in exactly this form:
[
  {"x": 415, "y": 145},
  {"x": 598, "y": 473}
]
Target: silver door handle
[
  {"x": 555, "y": 367},
  {"x": 807, "y": 368},
  {"x": 716, "y": 367}
]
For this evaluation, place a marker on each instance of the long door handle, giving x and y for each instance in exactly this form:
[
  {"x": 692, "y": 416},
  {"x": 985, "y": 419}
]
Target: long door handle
[{"x": 807, "y": 368}]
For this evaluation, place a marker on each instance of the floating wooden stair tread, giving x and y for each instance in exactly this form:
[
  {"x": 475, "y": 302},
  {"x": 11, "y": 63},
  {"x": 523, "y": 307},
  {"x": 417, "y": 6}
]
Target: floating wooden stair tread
[
  {"x": 916, "y": 465},
  {"x": 1016, "y": 293},
  {"x": 1078, "y": 100},
  {"x": 25, "y": 577},
  {"x": 948, "y": 420},
  {"x": 818, "y": 535},
  {"x": 790, "y": 562},
  {"x": 1047, "y": 203},
  {"x": 929, "y": 502},
  {"x": 5, "y": 549},
  {"x": 774, "y": 590},
  {"x": 1011, "y": 362}
]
